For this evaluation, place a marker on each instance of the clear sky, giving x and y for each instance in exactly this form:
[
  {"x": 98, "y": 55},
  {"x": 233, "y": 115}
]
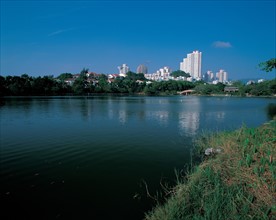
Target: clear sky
[{"x": 53, "y": 37}]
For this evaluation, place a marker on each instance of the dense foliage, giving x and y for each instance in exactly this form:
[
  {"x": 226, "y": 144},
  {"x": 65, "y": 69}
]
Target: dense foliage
[
  {"x": 207, "y": 89},
  {"x": 133, "y": 83},
  {"x": 25, "y": 85},
  {"x": 167, "y": 87}
]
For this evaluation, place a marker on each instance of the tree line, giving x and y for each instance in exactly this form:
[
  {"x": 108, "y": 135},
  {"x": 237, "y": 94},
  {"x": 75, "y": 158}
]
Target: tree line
[{"x": 133, "y": 83}]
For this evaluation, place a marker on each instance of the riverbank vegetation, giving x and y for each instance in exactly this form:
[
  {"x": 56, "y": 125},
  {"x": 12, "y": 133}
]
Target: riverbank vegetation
[
  {"x": 84, "y": 84},
  {"x": 239, "y": 182}
]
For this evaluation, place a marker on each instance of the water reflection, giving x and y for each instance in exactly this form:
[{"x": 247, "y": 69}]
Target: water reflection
[
  {"x": 189, "y": 116},
  {"x": 188, "y": 123},
  {"x": 161, "y": 116},
  {"x": 110, "y": 114},
  {"x": 122, "y": 116},
  {"x": 220, "y": 116},
  {"x": 216, "y": 116},
  {"x": 102, "y": 140}
]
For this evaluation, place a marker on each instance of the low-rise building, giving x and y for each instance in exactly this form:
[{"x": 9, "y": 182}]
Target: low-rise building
[{"x": 162, "y": 74}]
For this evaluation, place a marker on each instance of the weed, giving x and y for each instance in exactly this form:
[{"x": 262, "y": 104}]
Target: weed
[{"x": 238, "y": 183}]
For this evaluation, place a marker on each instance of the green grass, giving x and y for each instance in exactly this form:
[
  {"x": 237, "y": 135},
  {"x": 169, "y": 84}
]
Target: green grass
[{"x": 238, "y": 183}]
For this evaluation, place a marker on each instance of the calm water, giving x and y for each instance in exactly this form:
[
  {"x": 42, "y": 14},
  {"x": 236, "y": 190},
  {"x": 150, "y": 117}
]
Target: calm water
[{"x": 86, "y": 158}]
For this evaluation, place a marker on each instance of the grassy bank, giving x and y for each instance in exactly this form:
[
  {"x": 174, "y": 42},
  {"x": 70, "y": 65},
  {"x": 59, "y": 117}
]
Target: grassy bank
[{"x": 237, "y": 183}]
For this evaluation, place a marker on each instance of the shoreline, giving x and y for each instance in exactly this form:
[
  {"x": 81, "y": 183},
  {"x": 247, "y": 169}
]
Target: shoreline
[
  {"x": 136, "y": 94},
  {"x": 238, "y": 181}
]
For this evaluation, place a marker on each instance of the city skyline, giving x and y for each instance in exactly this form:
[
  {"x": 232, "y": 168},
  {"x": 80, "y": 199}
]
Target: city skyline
[{"x": 53, "y": 37}]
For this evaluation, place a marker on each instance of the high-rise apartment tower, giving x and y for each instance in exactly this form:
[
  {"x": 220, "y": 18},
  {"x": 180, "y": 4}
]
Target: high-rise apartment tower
[
  {"x": 123, "y": 70},
  {"x": 222, "y": 76},
  {"x": 192, "y": 64}
]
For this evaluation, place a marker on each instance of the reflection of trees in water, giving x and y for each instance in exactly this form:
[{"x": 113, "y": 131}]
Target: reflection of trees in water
[
  {"x": 25, "y": 105},
  {"x": 66, "y": 106},
  {"x": 271, "y": 110},
  {"x": 85, "y": 108},
  {"x": 112, "y": 107},
  {"x": 2, "y": 101}
]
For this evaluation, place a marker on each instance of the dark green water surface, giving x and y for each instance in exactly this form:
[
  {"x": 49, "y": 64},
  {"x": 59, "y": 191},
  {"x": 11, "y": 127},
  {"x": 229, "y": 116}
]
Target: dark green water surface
[{"x": 87, "y": 157}]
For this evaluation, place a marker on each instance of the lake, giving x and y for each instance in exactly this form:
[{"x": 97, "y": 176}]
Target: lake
[{"x": 88, "y": 157}]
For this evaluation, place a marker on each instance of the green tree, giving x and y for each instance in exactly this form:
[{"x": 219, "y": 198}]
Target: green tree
[
  {"x": 204, "y": 89},
  {"x": 151, "y": 89},
  {"x": 140, "y": 76},
  {"x": 103, "y": 85},
  {"x": 240, "y": 85},
  {"x": 16, "y": 85},
  {"x": 219, "y": 87},
  {"x": 65, "y": 76},
  {"x": 207, "y": 89},
  {"x": 118, "y": 86},
  {"x": 268, "y": 65},
  {"x": 80, "y": 85},
  {"x": 43, "y": 85},
  {"x": 178, "y": 73},
  {"x": 262, "y": 89},
  {"x": 3, "y": 89},
  {"x": 84, "y": 71},
  {"x": 272, "y": 86}
]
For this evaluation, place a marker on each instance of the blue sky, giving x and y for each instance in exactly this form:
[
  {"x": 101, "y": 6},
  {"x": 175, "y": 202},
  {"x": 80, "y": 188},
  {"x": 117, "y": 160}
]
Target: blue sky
[{"x": 53, "y": 37}]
